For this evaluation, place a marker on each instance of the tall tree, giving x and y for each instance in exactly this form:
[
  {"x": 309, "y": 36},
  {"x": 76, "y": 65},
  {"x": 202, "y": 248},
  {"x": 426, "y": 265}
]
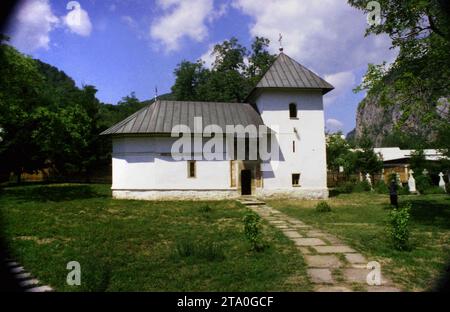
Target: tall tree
[
  {"x": 420, "y": 76},
  {"x": 188, "y": 78},
  {"x": 46, "y": 120},
  {"x": 234, "y": 73},
  {"x": 339, "y": 154},
  {"x": 259, "y": 60},
  {"x": 20, "y": 98}
]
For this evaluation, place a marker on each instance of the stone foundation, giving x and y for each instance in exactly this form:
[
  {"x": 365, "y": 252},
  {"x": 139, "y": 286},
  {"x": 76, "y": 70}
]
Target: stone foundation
[
  {"x": 217, "y": 194},
  {"x": 300, "y": 193},
  {"x": 175, "y": 194}
]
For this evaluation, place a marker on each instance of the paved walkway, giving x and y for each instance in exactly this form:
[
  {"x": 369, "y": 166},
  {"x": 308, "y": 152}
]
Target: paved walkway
[
  {"x": 22, "y": 280},
  {"x": 332, "y": 265}
]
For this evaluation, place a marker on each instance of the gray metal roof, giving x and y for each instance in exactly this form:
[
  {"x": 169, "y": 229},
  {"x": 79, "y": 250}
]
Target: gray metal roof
[
  {"x": 287, "y": 73},
  {"x": 162, "y": 116}
]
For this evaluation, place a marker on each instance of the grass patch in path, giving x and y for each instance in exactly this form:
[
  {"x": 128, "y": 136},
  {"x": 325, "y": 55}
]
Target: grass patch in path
[{"x": 126, "y": 245}]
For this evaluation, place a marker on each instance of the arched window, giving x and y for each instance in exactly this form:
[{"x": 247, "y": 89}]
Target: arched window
[{"x": 293, "y": 110}]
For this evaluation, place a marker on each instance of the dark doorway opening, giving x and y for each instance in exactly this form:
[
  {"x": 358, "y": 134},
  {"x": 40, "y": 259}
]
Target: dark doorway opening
[{"x": 246, "y": 182}]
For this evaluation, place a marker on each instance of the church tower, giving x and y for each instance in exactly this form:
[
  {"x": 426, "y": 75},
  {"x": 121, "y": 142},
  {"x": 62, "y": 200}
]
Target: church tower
[{"x": 289, "y": 98}]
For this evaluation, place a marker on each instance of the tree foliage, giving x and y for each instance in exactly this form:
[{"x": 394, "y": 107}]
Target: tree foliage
[
  {"x": 20, "y": 86},
  {"x": 46, "y": 120},
  {"x": 235, "y": 71},
  {"x": 420, "y": 76},
  {"x": 339, "y": 153},
  {"x": 360, "y": 159}
]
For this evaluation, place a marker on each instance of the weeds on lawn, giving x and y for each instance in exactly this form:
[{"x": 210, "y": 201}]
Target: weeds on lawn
[
  {"x": 323, "y": 207},
  {"x": 207, "y": 251},
  {"x": 252, "y": 231},
  {"x": 205, "y": 209},
  {"x": 399, "y": 227}
]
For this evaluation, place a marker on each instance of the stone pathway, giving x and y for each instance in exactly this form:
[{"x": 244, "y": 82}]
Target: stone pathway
[
  {"x": 332, "y": 265},
  {"x": 24, "y": 279}
]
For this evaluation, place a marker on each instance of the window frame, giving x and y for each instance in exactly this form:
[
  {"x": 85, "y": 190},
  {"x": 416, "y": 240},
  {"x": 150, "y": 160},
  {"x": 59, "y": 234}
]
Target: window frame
[
  {"x": 193, "y": 163},
  {"x": 293, "y": 110},
  {"x": 298, "y": 180}
]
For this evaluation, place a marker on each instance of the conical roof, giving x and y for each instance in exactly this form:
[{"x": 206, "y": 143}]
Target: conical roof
[{"x": 285, "y": 72}]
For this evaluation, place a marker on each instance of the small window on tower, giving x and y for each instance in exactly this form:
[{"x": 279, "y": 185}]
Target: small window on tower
[
  {"x": 191, "y": 169},
  {"x": 293, "y": 110},
  {"x": 296, "y": 179}
]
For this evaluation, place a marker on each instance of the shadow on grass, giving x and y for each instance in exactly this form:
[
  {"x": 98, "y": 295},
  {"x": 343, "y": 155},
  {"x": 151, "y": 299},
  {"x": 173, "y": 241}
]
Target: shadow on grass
[
  {"x": 443, "y": 283},
  {"x": 53, "y": 192},
  {"x": 431, "y": 212}
]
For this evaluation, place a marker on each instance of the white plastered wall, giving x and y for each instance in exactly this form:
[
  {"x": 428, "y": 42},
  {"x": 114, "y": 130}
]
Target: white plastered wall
[{"x": 309, "y": 158}]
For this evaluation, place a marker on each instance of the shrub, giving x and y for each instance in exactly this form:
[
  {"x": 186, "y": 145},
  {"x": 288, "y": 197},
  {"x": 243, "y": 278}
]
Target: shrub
[
  {"x": 381, "y": 187},
  {"x": 345, "y": 188},
  {"x": 403, "y": 190},
  {"x": 423, "y": 182},
  {"x": 399, "y": 227},
  {"x": 252, "y": 231},
  {"x": 208, "y": 251},
  {"x": 362, "y": 186},
  {"x": 323, "y": 207}
]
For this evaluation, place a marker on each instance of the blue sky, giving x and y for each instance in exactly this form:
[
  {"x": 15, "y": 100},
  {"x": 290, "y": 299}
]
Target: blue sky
[{"x": 134, "y": 45}]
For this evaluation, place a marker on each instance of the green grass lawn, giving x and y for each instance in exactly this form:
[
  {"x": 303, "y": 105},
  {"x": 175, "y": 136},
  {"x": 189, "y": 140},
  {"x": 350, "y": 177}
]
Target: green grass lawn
[
  {"x": 360, "y": 220},
  {"x": 141, "y": 246}
]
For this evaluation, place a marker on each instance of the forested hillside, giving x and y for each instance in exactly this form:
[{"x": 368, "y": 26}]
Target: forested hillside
[{"x": 47, "y": 121}]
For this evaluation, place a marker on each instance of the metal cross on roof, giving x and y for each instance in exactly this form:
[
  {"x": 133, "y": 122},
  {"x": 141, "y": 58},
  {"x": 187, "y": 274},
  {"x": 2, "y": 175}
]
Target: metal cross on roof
[{"x": 280, "y": 41}]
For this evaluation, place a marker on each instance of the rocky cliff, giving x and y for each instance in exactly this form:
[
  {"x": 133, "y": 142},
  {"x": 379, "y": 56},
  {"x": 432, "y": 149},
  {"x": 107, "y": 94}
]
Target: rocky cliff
[{"x": 379, "y": 121}]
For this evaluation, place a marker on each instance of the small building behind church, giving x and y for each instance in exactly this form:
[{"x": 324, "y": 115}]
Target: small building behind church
[{"x": 287, "y": 102}]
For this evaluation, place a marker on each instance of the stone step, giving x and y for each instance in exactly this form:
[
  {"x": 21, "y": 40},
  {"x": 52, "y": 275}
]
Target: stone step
[
  {"x": 322, "y": 261},
  {"x": 39, "y": 289},
  {"x": 320, "y": 276},
  {"x": 333, "y": 289},
  {"x": 252, "y": 203},
  {"x": 334, "y": 249},
  {"x": 17, "y": 269},
  {"x": 12, "y": 264},
  {"x": 24, "y": 275},
  {"x": 29, "y": 282}
]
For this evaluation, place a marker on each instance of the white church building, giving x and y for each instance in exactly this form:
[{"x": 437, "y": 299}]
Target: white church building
[{"x": 288, "y": 101}]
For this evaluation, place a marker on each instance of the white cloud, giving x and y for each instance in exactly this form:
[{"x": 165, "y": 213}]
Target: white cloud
[
  {"x": 326, "y": 35},
  {"x": 32, "y": 25},
  {"x": 181, "y": 19},
  {"x": 218, "y": 13},
  {"x": 342, "y": 82},
  {"x": 78, "y": 21},
  {"x": 334, "y": 125},
  {"x": 208, "y": 57}
]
